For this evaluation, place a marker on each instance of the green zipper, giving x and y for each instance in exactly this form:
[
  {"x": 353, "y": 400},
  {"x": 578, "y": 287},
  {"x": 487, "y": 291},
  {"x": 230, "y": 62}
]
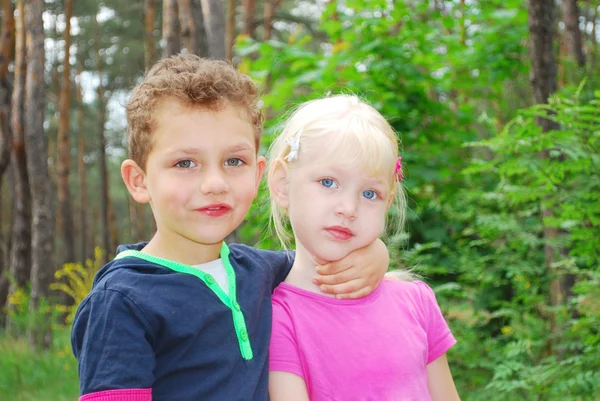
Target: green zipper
[{"x": 239, "y": 322}]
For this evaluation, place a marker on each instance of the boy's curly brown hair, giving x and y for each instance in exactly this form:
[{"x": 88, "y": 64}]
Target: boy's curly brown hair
[{"x": 195, "y": 82}]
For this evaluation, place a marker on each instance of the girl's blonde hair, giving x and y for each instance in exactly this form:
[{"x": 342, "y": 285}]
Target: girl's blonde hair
[{"x": 356, "y": 134}]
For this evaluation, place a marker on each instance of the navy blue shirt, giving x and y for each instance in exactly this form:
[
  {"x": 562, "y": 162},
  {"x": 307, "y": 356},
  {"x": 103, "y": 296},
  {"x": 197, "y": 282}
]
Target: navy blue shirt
[{"x": 147, "y": 326}]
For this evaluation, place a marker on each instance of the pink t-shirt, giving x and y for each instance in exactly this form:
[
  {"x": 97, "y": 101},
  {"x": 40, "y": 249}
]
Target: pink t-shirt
[{"x": 372, "y": 348}]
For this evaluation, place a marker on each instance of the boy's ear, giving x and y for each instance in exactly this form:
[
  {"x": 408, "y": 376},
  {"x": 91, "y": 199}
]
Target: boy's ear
[
  {"x": 278, "y": 180},
  {"x": 134, "y": 178}
]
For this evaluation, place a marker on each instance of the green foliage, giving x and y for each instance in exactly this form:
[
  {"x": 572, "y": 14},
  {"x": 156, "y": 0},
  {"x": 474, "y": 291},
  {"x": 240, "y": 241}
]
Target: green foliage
[
  {"x": 76, "y": 280},
  {"x": 453, "y": 81},
  {"x": 22, "y": 318},
  {"x": 28, "y": 375}
]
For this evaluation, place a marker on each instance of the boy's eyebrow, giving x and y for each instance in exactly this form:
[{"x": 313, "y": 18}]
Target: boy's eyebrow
[
  {"x": 187, "y": 151},
  {"x": 194, "y": 151},
  {"x": 240, "y": 147}
]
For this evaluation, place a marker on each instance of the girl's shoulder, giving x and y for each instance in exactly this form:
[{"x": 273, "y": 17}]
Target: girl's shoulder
[{"x": 416, "y": 291}]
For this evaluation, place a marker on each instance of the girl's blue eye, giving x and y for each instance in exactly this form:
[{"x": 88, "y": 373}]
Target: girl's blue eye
[
  {"x": 328, "y": 183},
  {"x": 234, "y": 161},
  {"x": 370, "y": 194},
  {"x": 185, "y": 164}
]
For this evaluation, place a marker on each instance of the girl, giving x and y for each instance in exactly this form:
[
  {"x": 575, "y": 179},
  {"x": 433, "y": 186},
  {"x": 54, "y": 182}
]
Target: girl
[{"x": 334, "y": 174}]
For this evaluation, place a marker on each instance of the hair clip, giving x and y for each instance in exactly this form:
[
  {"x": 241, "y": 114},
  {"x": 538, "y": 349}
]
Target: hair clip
[
  {"x": 354, "y": 100},
  {"x": 398, "y": 172},
  {"x": 294, "y": 147}
]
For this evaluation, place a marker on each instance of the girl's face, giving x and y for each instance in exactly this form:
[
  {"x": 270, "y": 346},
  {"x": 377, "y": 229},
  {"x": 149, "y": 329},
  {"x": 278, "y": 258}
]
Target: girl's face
[{"x": 335, "y": 208}]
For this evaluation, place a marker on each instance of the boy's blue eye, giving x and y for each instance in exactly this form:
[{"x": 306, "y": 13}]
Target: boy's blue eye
[
  {"x": 185, "y": 164},
  {"x": 328, "y": 183},
  {"x": 370, "y": 194},
  {"x": 234, "y": 161}
]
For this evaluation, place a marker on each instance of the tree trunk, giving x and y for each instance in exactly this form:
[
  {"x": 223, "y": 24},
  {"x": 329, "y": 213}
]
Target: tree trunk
[
  {"x": 270, "y": 7},
  {"x": 230, "y": 36},
  {"x": 114, "y": 231},
  {"x": 171, "y": 39},
  {"x": 6, "y": 45},
  {"x": 149, "y": 41},
  {"x": 572, "y": 32},
  {"x": 105, "y": 197},
  {"x": 201, "y": 28},
  {"x": 134, "y": 223},
  {"x": 249, "y": 7},
  {"x": 20, "y": 253},
  {"x": 189, "y": 34},
  {"x": 64, "y": 148},
  {"x": 543, "y": 82},
  {"x": 214, "y": 22},
  {"x": 42, "y": 268},
  {"x": 81, "y": 149}
]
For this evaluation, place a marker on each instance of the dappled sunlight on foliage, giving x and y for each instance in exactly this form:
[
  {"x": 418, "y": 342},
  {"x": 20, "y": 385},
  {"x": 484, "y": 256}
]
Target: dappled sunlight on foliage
[{"x": 76, "y": 281}]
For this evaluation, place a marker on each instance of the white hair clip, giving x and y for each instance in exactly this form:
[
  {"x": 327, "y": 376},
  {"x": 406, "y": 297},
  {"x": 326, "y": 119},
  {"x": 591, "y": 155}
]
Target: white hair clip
[
  {"x": 354, "y": 100},
  {"x": 294, "y": 147}
]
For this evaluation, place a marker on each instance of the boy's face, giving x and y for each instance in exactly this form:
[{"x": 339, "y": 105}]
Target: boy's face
[{"x": 202, "y": 173}]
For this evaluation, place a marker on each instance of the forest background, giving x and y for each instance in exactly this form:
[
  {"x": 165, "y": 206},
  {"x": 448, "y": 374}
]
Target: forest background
[{"x": 496, "y": 103}]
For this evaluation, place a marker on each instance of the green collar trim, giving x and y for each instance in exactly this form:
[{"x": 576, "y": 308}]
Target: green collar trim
[{"x": 228, "y": 300}]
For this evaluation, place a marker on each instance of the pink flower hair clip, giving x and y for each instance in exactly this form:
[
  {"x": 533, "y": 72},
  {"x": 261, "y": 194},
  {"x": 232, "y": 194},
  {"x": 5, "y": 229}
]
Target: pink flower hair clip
[{"x": 399, "y": 173}]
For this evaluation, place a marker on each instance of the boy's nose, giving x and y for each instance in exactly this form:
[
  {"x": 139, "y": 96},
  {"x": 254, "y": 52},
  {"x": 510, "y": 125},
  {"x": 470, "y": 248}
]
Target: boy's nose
[{"x": 214, "y": 183}]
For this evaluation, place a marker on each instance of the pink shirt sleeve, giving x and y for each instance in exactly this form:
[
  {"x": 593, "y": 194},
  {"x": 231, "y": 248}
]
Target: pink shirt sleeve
[
  {"x": 284, "y": 355},
  {"x": 439, "y": 337}
]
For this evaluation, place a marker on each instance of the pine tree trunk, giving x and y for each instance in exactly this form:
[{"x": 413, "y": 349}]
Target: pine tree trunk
[
  {"x": 171, "y": 37},
  {"x": 149, "y": 40},
  {"x": 270, "y": 7},
  {"x": 64, "y": 148},
  {"x": 230, "y": 36},
  {"x": 42, "y": 267},
  {"x": 214, "y": 22},
  {"x": 189, "y": 34},
  {"x": 543, "y": 82},
  {"x": 198, "y": 19},
  {"x": 572, "y": 32},
  {"x": 81, "y": 149},
  {"x": 6, "y": 45},
  {"x": 105, "y": 194},
  {"x": 249, "y": 7},
  {"x": 20, "y": 253}
]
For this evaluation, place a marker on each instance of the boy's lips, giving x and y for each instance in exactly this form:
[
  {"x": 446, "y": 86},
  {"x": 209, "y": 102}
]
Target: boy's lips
[
  {"x": 340, "y": 232},
  {"x": 215, "y": 209}
]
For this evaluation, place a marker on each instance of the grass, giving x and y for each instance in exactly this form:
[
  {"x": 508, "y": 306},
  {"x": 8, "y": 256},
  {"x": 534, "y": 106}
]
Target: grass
[{"x": 27, "y": 375}]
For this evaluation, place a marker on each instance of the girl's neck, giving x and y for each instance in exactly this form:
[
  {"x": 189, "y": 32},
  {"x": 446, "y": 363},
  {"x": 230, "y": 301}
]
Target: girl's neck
[{"x": 303, "y": 271}]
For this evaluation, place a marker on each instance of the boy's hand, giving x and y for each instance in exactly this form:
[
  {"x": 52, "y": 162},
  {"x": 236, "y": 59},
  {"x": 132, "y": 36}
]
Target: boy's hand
[{"x": 357, "y": 275}]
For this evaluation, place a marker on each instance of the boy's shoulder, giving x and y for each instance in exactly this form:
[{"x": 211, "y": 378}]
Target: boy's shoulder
[
  {"x": 244, "y": 254},
  {"x": 124, "y": 274}
]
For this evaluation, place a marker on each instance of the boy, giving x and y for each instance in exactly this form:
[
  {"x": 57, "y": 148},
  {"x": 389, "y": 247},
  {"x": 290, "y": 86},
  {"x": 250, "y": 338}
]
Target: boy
[{"x": 151, "y": 329}]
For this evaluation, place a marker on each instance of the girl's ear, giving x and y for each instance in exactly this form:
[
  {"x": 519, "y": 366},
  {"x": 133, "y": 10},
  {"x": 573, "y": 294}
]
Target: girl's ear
[
  {"x": 391, "y": 199},
  {"x": 134, "y": 178},
  {"x": 279, "y": 184}
]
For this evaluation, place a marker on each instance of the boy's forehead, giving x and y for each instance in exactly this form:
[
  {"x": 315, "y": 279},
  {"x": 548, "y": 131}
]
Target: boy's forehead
[{"x": 167, "y": 110}]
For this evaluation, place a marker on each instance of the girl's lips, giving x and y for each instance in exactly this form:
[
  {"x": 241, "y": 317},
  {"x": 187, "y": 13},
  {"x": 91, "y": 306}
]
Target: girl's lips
[
  {"x": 340, "y": 232},
  {"x": 215, "y": 210}
]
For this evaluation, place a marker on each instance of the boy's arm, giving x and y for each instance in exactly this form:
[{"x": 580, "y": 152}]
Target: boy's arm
[
  {"x": 358, "y": 274},
  {"x": 284, "y": 386},
  {"x": 439, "y": 381},
  {"x": 111, "y": 341}
]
